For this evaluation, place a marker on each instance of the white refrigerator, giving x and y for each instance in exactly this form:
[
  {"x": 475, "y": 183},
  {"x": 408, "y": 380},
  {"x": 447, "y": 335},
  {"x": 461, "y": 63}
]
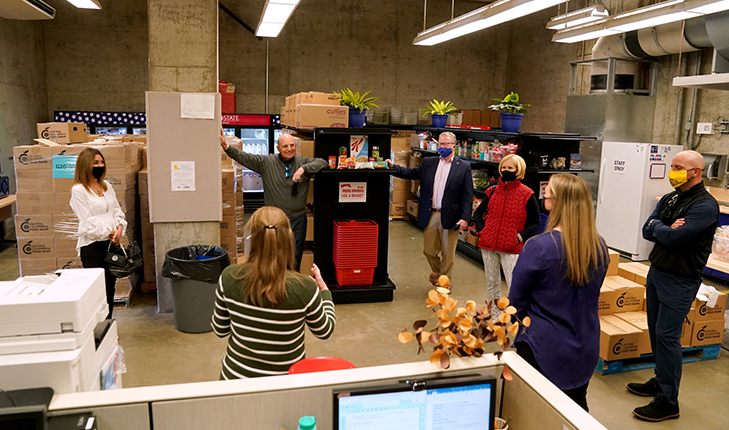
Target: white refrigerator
[{"x": 632, "y": 177}]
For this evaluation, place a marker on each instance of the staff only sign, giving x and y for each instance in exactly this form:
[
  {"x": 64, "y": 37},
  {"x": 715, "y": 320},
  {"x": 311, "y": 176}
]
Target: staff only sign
[{"x": 353, "y": 192}]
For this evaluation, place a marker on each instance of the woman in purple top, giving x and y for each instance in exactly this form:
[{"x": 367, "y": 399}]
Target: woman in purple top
[{"x": 556, "y": 282}]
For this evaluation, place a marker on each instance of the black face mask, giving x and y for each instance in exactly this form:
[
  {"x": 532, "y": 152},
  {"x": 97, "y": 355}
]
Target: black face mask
[
  {"x": 508, "y": 175},
  {"x": 98, "y": 171}
]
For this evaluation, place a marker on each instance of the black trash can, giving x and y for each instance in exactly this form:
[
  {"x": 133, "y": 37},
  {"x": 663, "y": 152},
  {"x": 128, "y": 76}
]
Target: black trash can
[{"x": 193, "y": 272}]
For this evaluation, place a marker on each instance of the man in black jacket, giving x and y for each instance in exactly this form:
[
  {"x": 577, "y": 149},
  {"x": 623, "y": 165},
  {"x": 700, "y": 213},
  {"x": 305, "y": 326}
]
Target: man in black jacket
[{"x": 682, "y": 227}]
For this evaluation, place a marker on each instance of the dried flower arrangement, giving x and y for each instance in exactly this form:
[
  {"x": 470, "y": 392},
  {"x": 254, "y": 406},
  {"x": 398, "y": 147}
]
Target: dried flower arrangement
[{"x": 463, "y": 331}]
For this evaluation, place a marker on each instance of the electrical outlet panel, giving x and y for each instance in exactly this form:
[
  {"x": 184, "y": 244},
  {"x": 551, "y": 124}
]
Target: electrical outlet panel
[{"x": 704, "y": 128}]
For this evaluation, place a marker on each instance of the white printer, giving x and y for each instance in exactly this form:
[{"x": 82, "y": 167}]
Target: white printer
[{"x": 47, "y": 327}]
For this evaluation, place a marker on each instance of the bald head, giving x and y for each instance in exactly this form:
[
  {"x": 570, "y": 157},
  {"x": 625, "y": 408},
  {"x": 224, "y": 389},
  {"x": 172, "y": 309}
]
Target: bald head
[
  {"x": 286, "y": 146},
  {"x": 689, "y": 160}
]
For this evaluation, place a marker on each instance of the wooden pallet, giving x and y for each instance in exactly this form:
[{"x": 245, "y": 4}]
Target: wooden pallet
[
  {"x": 646, "y": 361},
  {"x": 400, "y": 217}
]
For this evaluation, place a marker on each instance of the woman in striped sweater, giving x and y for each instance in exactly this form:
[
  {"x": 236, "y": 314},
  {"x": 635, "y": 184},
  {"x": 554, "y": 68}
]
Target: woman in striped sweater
[{"x": 264, "y": 304}]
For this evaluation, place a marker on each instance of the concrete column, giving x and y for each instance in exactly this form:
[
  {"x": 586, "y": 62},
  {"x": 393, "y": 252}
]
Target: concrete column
[{"x": 183, "y": 57}]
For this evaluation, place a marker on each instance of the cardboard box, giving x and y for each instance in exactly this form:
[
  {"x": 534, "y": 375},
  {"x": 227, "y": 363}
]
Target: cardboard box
[
  {"x": 705, "y": 313},
  {"x": 36, "y": 266},
  {"x": 412, "y": 208},
  {"x": 33, "y": 181},
  {"x": 310, "y": 193},
  {"x": 707, "y": 332},
  {"x": 144, "y": 206},
  {"x": 63, "y": 132},
  {"x": 606, "y": 301},
  {"x": 33, "y": 225},
  {"x": 69, "y": 263},
  {"x": 147, "y": 231},
  {"x": 228, "y": 243},
  {"x": 37, "y": 247},
  {"x": 228, "y": 181},
  {"x": 687, "y": 328},
  {"x": 415, "y": 160},
  {"x": 399, "y": 184},
  {"x": 65, "y": 248},
  {"x": 640, "y": 321},
  {"x": 61, "y": 203},
  {"x": 628, "y": 297},
  {"x": 62, "y": 185},
  {"x": 317, "y": 98},
  {"x": 319, "y": 115},
  {"x": 227, "y": 227},
  {"x": 398, "y": 209},
  {"x": 400, "y": 144},
  {"x": 400, "y": 196},
  {"x": 307, "y": 261},
  {"x": 304, "y": 146},
  {"x": 473, "y": 240},
  {"x": 142, "y": 182},
  {"x": 65, "y": 226},
  {"x": 400, "y": 157},
  {"x": 618, "y": 339},
  {"x": 121, "y": 179},
  {"x": 309, "y": 227},
  {"x": 229, "y": 205},
  {"x": 32, "y": 157},
  {"x": 34, "y": 202},
  {"x": 115, "y": 155},
  {"x": 634, "y": 271},
  {"x": 127, "y": 201},
  {"x": 613, "y": 266}
]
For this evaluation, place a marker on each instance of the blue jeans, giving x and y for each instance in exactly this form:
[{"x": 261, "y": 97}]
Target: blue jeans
[{"x": 668, "y": 301}]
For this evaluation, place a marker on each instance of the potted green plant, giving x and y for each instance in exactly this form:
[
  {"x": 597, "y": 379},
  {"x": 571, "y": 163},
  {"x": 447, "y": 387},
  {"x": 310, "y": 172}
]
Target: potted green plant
[
  {"x": 510, "y": 111},
  {"x": 439, "y": 111},
  {"x": 358, "y": 105}
]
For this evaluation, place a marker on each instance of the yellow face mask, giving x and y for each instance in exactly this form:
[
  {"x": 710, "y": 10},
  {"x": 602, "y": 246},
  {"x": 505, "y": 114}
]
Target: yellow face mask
[{"x": 677, "y": 177}]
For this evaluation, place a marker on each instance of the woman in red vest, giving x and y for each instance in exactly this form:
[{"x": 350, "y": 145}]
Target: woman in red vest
[{"x": 505, "y": 219}]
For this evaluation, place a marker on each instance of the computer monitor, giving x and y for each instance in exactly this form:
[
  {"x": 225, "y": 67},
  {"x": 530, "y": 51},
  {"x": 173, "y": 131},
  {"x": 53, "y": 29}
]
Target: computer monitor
[
  {"x": 464, "y": 403},
  {"x": 24, "y": 417}
]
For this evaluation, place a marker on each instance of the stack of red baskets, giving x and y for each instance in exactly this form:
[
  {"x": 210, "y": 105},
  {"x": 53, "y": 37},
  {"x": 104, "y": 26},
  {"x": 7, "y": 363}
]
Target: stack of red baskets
[{"x": 355, "y": 251}]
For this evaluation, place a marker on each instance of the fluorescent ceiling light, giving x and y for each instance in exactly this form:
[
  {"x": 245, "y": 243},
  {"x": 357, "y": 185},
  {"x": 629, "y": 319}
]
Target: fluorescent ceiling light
[
  {"x": 484, "y": 17},
  {"x": 645, "y": 17},
  {"x": 275, "y": 15},
  {"x": 578, "y": 17},
  {"x": 85, "y": 4},
  {"x": 707, "y": 7}
]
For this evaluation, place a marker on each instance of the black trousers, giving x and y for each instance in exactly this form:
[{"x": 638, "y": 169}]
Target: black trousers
[
  {"x": 92, "y": 255},
  {"x": 298, "y": 227},
  {"x": 578, "y": 395}
]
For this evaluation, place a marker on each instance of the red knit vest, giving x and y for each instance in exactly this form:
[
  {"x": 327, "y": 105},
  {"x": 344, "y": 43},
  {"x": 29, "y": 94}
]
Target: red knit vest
[{"x": 506, "y": 217}]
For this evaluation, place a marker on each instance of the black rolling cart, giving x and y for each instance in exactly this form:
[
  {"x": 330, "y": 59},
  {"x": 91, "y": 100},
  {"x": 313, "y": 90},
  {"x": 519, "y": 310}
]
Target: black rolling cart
[{"x": 330, "y": 207}]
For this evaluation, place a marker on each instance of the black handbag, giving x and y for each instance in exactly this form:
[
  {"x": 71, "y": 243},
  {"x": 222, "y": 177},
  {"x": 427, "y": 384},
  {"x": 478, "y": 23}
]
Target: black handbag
[{"x": 123, "y": 262}]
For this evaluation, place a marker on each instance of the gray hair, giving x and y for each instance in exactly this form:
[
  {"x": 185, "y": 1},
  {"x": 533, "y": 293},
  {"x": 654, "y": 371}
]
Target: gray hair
[{"x": 450, "y": 135}]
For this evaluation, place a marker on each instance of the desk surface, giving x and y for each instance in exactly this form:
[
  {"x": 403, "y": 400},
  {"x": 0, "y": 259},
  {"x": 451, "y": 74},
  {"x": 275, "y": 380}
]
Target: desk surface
[{"x": 7, "y": 201}]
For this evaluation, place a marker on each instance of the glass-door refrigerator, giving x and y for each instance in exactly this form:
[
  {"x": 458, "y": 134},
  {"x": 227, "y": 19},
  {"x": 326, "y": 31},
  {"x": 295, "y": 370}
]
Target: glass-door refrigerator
[{"x": 259, "y": 134}]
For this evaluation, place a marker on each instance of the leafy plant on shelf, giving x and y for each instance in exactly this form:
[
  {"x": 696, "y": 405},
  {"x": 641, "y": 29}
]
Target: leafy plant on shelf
[
  {"x": 510, "y": 104},
  {"x": 463, "y": 331},
  {"x": 439, "y": 108},
  {"x": 357, "y": 100}
]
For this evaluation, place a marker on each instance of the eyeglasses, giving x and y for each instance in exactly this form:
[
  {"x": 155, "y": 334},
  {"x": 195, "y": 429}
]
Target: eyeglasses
[
  {"x": 288, "y": 172},
  {"x": 446, "y": 143}
]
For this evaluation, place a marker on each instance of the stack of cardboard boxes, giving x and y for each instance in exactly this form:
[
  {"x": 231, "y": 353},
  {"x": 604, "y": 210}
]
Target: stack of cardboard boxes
[
  {"x": 624, "y": 322},
  {"x": 147, "y": 233},
  {"x": 46, "y": 227},
  {"x": 231, "y": 227},
  {"x": 400, "y": 189},
  {"x": 305, "y": 147},
  {"x": 314, "y": 109},
  {"x": 484, "y": 118}
]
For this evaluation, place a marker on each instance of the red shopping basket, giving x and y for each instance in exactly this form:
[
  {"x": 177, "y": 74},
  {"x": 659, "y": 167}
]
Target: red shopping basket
[{"x": 355, "y": 251}]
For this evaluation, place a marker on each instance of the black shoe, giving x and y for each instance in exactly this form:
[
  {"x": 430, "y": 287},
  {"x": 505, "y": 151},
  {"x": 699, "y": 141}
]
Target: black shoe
[
  {"x": 657, "y": 410},
  {"x": 649, "y": 389}
]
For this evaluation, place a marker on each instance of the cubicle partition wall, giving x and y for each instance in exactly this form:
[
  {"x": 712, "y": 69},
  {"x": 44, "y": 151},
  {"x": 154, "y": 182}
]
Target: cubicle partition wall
[{"x": 528, "y": 400}]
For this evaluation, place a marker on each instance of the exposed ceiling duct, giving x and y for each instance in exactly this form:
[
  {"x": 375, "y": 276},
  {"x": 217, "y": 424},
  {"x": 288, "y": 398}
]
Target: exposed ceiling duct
[{"x": 687, "y": 36}]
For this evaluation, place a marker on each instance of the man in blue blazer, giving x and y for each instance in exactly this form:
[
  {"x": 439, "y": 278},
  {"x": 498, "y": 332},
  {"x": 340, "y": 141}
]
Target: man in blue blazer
[{"x": 446, "y": 203}]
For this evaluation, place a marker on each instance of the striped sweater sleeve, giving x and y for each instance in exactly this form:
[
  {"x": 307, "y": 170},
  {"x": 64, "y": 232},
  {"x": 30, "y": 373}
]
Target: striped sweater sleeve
[
  {"x": 320, "y": 315},
  {"x": 221, "y": 317}
]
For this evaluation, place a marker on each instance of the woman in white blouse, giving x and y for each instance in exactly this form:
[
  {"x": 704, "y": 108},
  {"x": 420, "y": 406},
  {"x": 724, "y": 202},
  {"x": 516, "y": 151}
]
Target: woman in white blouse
[{"x": 100, "y": 218}]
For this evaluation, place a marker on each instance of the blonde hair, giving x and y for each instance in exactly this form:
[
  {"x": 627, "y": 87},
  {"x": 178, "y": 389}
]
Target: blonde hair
[
  {"x": 582, "y": 247},
  {"x": 84, "y": 168},
  {"x": 518, "y": 162},
  {"x": 271, "y": 254}
]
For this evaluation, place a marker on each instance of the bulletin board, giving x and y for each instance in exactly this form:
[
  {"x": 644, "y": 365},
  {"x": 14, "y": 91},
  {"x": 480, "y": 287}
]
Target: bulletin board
[{"x": 183, "y": 157}]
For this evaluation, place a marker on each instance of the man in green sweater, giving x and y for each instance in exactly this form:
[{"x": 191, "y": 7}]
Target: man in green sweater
[{"x": 285, "y": 181}]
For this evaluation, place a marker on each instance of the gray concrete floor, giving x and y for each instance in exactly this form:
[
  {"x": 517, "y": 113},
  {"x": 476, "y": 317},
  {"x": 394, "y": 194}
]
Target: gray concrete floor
[{"x": 156, "y": 353}]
